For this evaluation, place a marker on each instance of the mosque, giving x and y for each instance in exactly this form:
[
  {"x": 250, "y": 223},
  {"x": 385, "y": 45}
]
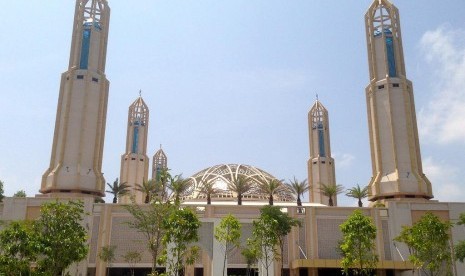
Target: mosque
[{"x": 398, "y": 181}]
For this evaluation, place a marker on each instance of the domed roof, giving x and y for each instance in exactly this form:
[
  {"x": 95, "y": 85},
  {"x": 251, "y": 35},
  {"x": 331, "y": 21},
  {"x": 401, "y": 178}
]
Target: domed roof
[{"x": 222, "y": 176}]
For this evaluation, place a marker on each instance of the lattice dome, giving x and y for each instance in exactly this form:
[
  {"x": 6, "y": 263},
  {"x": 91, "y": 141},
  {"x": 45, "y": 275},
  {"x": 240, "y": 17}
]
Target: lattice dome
[{"x": 223, "y": 174}]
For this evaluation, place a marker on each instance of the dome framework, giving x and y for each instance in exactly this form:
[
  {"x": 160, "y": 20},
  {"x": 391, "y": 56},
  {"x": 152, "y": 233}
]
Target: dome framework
[{"x": 222, "y": 176}]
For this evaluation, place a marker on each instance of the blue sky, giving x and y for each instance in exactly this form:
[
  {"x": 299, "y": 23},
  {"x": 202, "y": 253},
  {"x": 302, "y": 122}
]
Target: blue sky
[{"x": 232, "y": 82}]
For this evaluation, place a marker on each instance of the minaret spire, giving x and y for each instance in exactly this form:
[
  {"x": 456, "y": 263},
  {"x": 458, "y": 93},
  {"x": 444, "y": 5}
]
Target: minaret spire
[
  {"x": 395, "y": 150},
  {"x": 321, "y": 164},
  {"x": 135, "y": 162},
  {"x": 76, "y": 159}
]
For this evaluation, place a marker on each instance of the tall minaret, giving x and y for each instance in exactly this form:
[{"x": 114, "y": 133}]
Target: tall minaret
[
  {"x": 160, "y": 162},
  {"x": 395, "y": 150},
  {"x": 135, "y": 162},
  {"x": 321, "y": 164},
  {"x": 76, "y": 161}
]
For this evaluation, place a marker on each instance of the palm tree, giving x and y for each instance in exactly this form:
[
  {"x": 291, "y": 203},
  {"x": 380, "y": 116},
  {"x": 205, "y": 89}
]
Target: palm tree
[
  {"x": 117, "y": 189},
  {"x": 178, "y": 185},
  {"x": 358, "y": 193},
  {"x": 148, "y": 187},
  {"x": 208, "y": 188},
  {"x": 163, "y": 177},
  {"x": 331, "y": 190},
  {"x": 299, "y": 188},
  {"x": 269, "y": 186},
  {"x": 240, "y": 184}
]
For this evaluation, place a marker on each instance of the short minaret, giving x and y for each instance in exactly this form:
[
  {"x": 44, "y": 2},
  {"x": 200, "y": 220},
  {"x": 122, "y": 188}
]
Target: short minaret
[
  {"x": 77, "y": 149},
  {"x": 395, "y": 150},
  {"x": 135, "y": 162},
  {"x": 160, "y": 162},
  {"x": 321, "y": 164}
]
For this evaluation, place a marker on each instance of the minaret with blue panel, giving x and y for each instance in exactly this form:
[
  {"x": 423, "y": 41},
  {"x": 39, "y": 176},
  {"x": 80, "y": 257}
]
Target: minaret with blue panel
[
  {"x": 321, "y": 168},
  {"x": 76, "y": 159},
  {"x": 135, "y": 162},
  {"x": 395, "y": 149}
]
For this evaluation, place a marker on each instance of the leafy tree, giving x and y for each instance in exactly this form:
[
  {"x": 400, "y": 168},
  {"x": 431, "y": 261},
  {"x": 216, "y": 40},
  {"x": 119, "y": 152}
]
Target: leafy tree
[
  {"x": 460, "y": 247},
  {"x": 62, "y": 237},
  {"x": 228, "y": 233},
  {"x": 20, "y": 193},
  {"x": 358, "y": 244},
  {"x": 149, "y": 220},
  {"x": 2, "y": 191},
  {"x": 250, "y": 254},
  {"x": 358, "y": 193},
  {"x": 117, "y": 189},
  {"x": 299, "y": 188},
  {"x": 148, "y": 187},
  {"x": 19, "y": 248},
  {"x": 270, "y": 186},
  {"x": 183, "y": 225},
  {"x": 428, "y": 243},
  {"x": 331, "y": 191},
  {"x": 132, "y": 258},
  {"x": 282, "y": 227},
  {"x": 107, "y": 254},
  {"x": 240, "y": 184},
  {"x": 264, "y": 241},
  {"x": 178, "y": 185},
  {"x": 208, "y": 188}
]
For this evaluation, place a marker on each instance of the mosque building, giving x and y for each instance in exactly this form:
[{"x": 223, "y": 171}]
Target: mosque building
[{"x": 398, "y": 180}]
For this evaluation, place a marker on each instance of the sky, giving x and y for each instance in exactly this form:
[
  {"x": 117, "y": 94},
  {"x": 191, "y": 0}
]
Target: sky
[{"x": 232, "y": 82}]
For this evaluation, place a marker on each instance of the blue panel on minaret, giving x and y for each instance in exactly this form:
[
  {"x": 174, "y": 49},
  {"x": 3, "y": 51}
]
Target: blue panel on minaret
[
  {"x": 135, "y": 140},
  {"x": 391, "y": 56},
  {"x": 321, "y": 140},
  {"x": 85, "y": 47}
]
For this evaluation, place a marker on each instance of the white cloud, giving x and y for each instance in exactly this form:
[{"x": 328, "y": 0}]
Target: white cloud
[
  {"x": 442, "y": 120},
  {"x": 344, "y": 160},
  {"x": 445, "y": 180}
]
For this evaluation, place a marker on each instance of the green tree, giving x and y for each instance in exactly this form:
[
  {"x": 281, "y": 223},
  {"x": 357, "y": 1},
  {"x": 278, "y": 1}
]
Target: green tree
[
  {"x": 264, "y": 241},
  {"x": 62, "y": 237},
  {"x": 2, "y": 191},
  {"x": 299, "y": 188},
  {"x": 183, "y": 225},
  {"x": 358, "y": 244},
  {"x": 228, "y": 234},
  {"x": 148, "y": 187},
  {"x": 358, "y": 193},
  {"x": 331, "y": 191},
  {"x": 428, "y": 243},
  {"x": 240, "y": 184},
  {"x": 460, "y": 247},
  {"x": 19, "y": 248},
  {"x": 149, "y": 220},
  {"x": 250, "y": 254},
  {"x": 207, "y": 188},
  {"x": 117, "y": 189},
  {"x": 132, "y": 258},
  {"x": 282, "y": 227},
  {"x": 178, "y": 185},
  {"x": 269, "y": 186},
  {"x": 107, "y": 254},
  {"x": 20, "y": 193}
]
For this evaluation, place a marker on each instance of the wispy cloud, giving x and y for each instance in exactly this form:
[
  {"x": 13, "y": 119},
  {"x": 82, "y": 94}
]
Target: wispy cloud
[
  {"x": 442, "y": 120},
  {"x": 445, "y": 180},
  {"x": 344, "y": 160}
]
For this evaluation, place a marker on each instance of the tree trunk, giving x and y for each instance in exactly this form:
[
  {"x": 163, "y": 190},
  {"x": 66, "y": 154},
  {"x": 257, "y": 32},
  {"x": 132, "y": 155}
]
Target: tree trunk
[
  {"x": 239, "y": 199},
  {"x": 360, "y": 204},
  {"x": 270, "y": 200},
  {"x": 299, "y": 202},
  {"x": 331, "y": 201},
  {"x": 209, "y": 199},
  {"x": 115, "y": 200}
]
